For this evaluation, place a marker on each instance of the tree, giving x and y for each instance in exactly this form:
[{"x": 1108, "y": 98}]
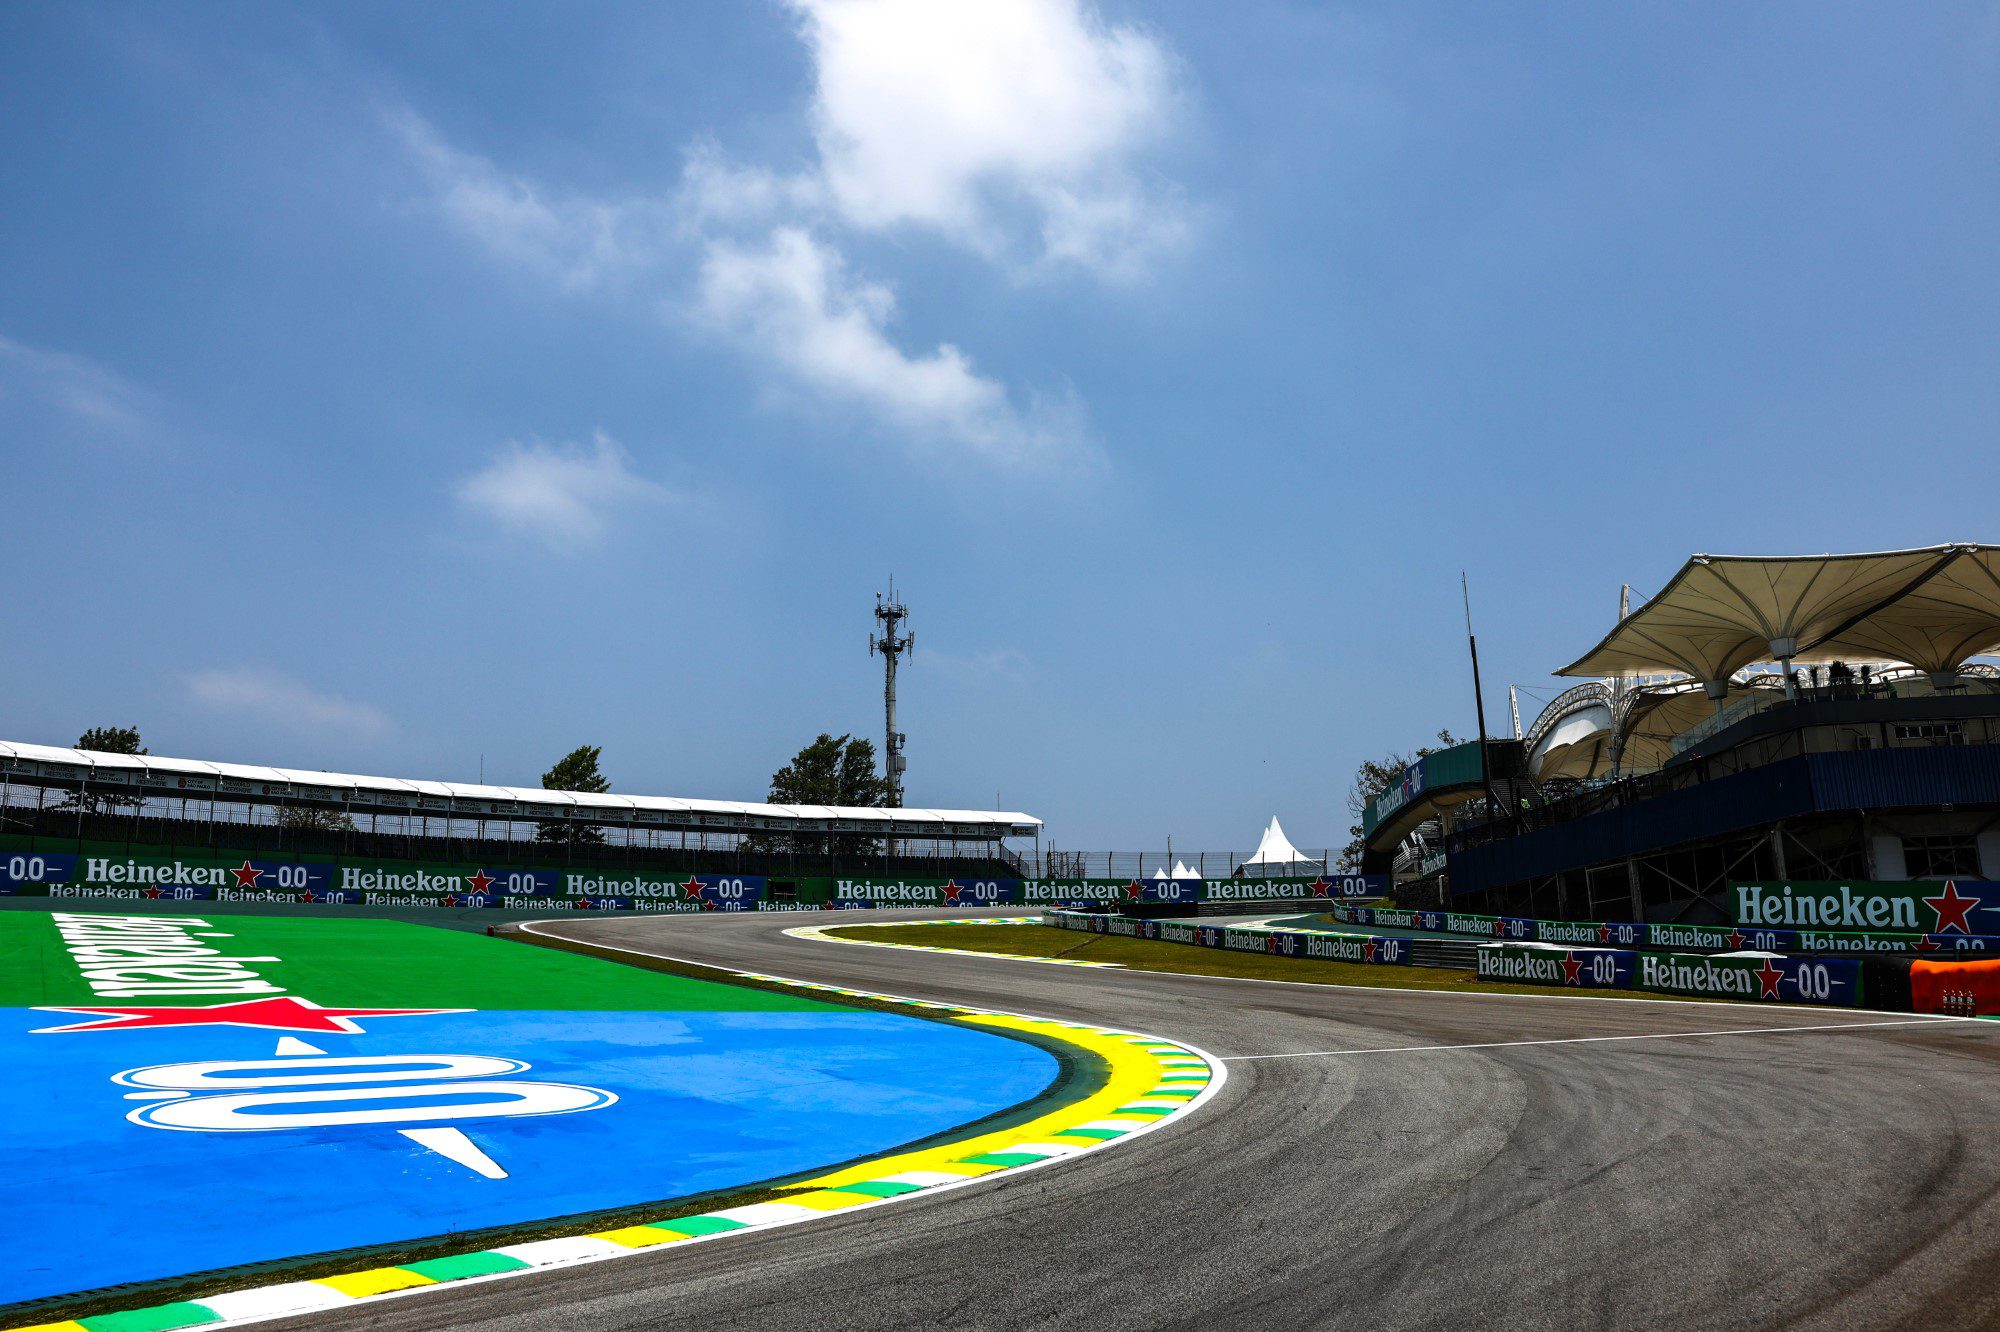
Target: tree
[
  {"x": 832, "y": 771},
  {"x": 829, "y": 771},
  {"x": 1370, "y": 780},
  {"x": 111, "y": 740},
  {"x": 107, "y": 740},
  {"x": 574, "y": 771},
  {"x": 302, "y": 819}
]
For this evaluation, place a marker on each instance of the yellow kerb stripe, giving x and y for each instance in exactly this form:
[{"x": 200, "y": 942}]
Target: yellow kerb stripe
[
  {"x": 1133, "y": 1071},
  {"x": 375, "y": 1282}
]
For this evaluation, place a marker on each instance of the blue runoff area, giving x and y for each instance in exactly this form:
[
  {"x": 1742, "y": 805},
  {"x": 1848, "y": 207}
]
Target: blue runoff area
[{"x": 141, "y": 1154}]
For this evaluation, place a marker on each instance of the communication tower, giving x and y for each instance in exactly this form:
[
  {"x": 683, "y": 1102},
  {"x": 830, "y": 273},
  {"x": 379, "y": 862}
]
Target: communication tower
[{"x": 892, "y": 645}]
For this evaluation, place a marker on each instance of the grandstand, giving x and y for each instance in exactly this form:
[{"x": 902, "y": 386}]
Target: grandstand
[
  {"x": 1812, "y": 717},
  {"x": 48, "y": 792}
]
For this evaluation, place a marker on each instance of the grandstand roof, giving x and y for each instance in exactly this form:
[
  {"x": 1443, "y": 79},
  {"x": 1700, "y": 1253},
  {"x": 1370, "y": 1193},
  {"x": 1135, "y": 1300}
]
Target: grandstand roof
[
  {"x": 468, "y": 799},
  {"x": 1933, "y": 607}
]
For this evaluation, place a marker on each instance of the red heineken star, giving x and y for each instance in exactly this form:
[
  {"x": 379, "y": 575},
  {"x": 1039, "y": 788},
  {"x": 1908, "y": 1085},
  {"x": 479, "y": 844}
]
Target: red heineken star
[
  {"x": 307, "y": 896},
  {"x": 1736, "y": 940},
  {"x": 1368, "y": 950},
  {"x": 1768, "y": 976},
  {"x": 285, "y": 1013},
  {"x": 155, "y": 893},
  {"x": 1135, "y": 891},
  {"x": 450, "y": 900},
  {"x": 1321, "y": 888},
  {"x": 1604, "y": 934},
  {"x": 692, "y": 888},
  {"x": 952, "y": 892},
  {"x": 584, "y": 904},
  {"x": 247, "y": 876},
  {"x": 480, "y": 881},
  {"x": 1951, "y": 910},
  {"x": 1572, "y": 969}
]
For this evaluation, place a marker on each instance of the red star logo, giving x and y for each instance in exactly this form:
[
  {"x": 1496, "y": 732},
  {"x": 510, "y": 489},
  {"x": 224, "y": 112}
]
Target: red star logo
[
  {"x": 285, "y": 1013},
  {"x": 307, "y": 896},
  {"x": 1604, "y": 934},
  {"x": 1321, "y": 888},
  {"x": 480, "y": 881},
  {"x": 952, "y": 892},
  {"x": 1951, "y": 910},
  {"x": 1135, "y": 891},
  {"x": 154, "y": 893},
  {"x": 1736, "y": 939},
  {"x": 1368, "y": 950},
  {"x": 692, "y": 888},
  {"x": 247, "y": 876},
  {"x": 1572, "y": 969},
  {"x": 584, "y": 904},
  {"x": 1768, "y": 976},
  {"x": 450, "y": 900},
  {"x": 1926, "y": 944}
]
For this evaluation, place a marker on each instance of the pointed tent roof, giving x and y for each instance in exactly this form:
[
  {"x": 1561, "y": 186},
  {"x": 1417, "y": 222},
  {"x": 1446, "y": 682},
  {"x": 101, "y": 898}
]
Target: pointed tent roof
[{"x": 1277, "y": 849}]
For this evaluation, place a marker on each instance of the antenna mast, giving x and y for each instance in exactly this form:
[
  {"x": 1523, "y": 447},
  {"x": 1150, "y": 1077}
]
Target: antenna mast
[{"x": 892, "y": 645}]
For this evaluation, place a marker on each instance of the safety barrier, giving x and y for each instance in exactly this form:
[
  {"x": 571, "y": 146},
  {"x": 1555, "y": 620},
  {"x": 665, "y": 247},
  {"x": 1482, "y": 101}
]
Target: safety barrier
[
  {"x": 1835, "y": 982},
  {"x": 1634, "y": 934},
  {"x": 117, "y": 873}
]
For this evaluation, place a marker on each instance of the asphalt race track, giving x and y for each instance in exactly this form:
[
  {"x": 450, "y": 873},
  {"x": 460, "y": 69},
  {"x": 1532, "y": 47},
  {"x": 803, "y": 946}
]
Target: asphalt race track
[{"x": 1839, "y": 1176}]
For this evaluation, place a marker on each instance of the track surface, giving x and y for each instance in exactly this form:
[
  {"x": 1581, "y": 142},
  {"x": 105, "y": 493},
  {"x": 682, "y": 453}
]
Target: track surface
[{"x": 1839, "y": 1177}]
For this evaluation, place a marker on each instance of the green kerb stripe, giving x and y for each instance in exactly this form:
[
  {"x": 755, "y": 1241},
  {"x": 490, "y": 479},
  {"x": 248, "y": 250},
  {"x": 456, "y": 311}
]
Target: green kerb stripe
[
  {"x": 159, "y": 1318},
  {"x": 462, "y": 1265},
  {"x": 876, "y": 1188},
  {"x": 697, "y": 1225},
  {"x": 1004, "y": 1158}
]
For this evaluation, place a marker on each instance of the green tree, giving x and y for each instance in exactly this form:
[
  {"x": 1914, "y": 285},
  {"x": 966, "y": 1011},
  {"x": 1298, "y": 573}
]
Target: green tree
[
  {"x": 107, "y": 740},
  {"x": 574, "y": 771},
  {"x": 303, "y": 819},
  {"x": 832, "y": 771},
  {"x": 111, "y": 740},
  {"x": 1370, "y": 780}
]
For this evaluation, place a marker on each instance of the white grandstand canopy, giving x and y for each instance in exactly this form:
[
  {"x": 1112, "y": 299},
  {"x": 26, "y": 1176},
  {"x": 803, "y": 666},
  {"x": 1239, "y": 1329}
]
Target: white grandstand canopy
[
  {"x": 1933, "y": 607},
  {"x": 156, "y": 776}
]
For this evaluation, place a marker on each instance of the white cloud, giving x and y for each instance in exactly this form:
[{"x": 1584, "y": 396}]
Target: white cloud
[
  {"x": 272, "y": 697},
  {"x": 53, "y": 391},
  {"x": 794, "y": 302},
  {"x": 561, "y": 495},
  {"x": 581, "y": 242},
  {"x": 987, "y": 666},
  {"x": 979, "y": 120},
  {"x": 1018, "y": 129}
]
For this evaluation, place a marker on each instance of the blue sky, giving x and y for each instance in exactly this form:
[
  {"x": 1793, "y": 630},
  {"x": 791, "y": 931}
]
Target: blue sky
[{"x": 384, "y": 386}]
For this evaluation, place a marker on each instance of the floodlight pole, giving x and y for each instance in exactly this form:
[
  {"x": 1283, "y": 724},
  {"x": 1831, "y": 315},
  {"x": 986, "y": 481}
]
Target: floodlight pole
[{"x": 1478, "y": 702}]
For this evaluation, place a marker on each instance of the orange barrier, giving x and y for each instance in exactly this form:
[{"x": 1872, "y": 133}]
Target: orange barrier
[{"x": 1961, "y": 988}]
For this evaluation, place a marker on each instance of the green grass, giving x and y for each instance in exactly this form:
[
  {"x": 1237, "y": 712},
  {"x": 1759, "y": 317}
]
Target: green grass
[{"x": 1188, "y": 960}]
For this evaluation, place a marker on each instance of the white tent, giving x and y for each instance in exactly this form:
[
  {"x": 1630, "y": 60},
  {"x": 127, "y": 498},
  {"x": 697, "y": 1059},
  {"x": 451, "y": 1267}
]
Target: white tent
[
  {"x": 1276, "y": 857},
  {"x": 1181, "y": 871}
]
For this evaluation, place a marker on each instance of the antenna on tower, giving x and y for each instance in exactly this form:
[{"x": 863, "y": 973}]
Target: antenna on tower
[{"x": 892, "y": 645}]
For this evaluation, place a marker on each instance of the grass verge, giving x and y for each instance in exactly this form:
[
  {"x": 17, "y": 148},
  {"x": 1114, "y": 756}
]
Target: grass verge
[{"x": 1186, "y": 960}]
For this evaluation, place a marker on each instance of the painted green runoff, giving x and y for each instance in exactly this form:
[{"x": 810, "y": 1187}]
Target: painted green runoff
[{"x": 380, "y": 963}]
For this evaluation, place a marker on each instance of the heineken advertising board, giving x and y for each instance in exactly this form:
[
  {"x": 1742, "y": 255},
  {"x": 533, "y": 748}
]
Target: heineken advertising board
[
  {"x": 1790, "y": 980},
  {"x": 925, "y": 892},
  {"x": 1245, "y": 939},
  {"x": 1066, "y": 892},
  {"x": 1586, "y": 968},
  {"x": 1955, "y": 906},
  {"x": 205, "y": 1092}
]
